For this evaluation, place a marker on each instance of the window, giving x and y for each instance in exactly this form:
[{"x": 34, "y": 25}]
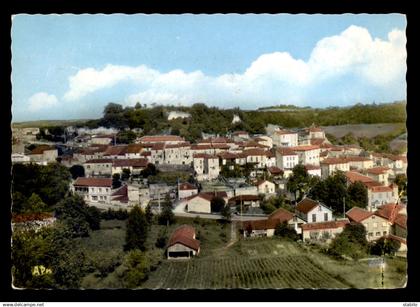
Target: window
[
  {"x": 313, "y": 218},
  {"x": 384, "y": 233},
  {"x": 100, "y": 189},
  {"x": 94, "y": 197},
  {"x": 319, "y": 208},
  {"x": 378, "y": 233},
  {"x": 370, "y": 234},
  {"x": 325, "y": 217}
]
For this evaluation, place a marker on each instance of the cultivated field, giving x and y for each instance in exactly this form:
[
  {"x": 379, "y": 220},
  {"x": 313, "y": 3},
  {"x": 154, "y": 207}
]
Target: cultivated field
[
  {"x": 366, "y": 130},
  {"x": 225, "y": 263}
]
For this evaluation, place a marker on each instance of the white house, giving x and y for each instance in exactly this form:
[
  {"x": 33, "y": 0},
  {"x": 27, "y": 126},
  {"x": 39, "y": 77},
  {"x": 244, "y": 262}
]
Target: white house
[
  {"x": 379, "y": 174},
  {"x": 313, "y": 211},
  {"x": 201, "y": 203},
  {"x": 313, "y": 170},
  {"x": 308, "y": 154},
  {"x": 265, "y": 187},
  {"x": 330, "y": 165},
  {"x": 98, "y": 167},
  {"x": 186, "y": 190},
  {"x": 102, "y": 139},
  {"x": 323, "y": 231},
  {"x": 359, "y": 163},
  {"x": 93, "y": 190},
  {"x": 264, "y": 140},
  {"x": 376, "y": 225},
  {"x": 20, "y": 158},
  {"x": 315, "y": 132},
  {"x": 43, "y": 154},
  {"x": 380, "y": 195},
  {"x": 156, "y": 139},
  {"x": 285, "y": 138},
  {"x": 286, "y": 158},
  {"x": 206, "y": 166},
  {"x": 240, "y": 135},
  {"x": 134, "y": 165}
]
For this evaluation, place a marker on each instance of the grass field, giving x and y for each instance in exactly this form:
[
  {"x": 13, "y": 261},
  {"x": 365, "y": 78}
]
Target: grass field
[{"x": 252, "y": 263}]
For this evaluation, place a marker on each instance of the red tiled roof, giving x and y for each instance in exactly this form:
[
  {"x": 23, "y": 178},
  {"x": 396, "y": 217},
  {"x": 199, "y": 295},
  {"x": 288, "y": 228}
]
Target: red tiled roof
[
  {"x": 134, "y": 148},
  {"x": 92, "y": 150},
  {"x": 401, "y": 220},
  {"x": 204, "y": 156},
  {"x": 201, "y": 147},
  {"x": 93, "y": 182},
  {"x": 122, "y": 198},
  {"x": 378, "y": 170},
  {"x": 324, "y": 154},
  {"x": 275, "y": 170},
  {"x": 330, "y": 161},
  {"x": 184, "y": 235},
  {"x": 39, "y": 150},
  {"x": 146, "y": 153},
  {"x": 122, "y": 191},
  {"x": 358, "y": 214},
  {"x": 116, "y": 150},
  {"x": 310, "y": 167},
  {"x": 255, "y": 152},
  {"x": 306, "y": 205},
  {"x": 158, "y": 146},
  {"x": 99, "y": 161},
  {"x": 357, "y": 159},
  {"x": 161, "y": 138},
  {"x": 187, "y": 186},
  {"x": 281, "y": 214},
  {"x": 389, "y": 211},
  {"x": 325, "y": 225},
  {"x": 355, "y": 176},
  {"x": 317, "y": 141},
  {"x": 262, "y": 224},
  {"x": 179, "y": 145},
  {"x": 130, "y": 162},
  {"x": 103, "y": 136},
  {"x": 304, "y": 147},
  {"x": 379, "y": 189},
  {"x": 286, "y": 151},
  {"x": 244, "y": 198},
  {"x": 372, "y": 184},
  {"x": 228, "y": 155}
]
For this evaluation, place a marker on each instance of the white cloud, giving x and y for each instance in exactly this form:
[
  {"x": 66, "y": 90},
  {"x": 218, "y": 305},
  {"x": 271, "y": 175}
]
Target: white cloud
[
  {"x": 41, "y": 101},
  {"x": 271, "y": 78}
]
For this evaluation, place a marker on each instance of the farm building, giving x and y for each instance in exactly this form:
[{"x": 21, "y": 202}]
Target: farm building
[{"x": 182, "y": 243}]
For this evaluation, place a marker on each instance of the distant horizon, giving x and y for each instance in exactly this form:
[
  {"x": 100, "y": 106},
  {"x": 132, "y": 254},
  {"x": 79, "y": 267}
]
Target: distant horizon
[
  {"x": 230, "y": 108},
  {"x": 70, "y": 66}
]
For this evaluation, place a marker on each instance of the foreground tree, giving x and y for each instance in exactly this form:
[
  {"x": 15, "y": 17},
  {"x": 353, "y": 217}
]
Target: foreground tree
[
  {"x": 77, "y": 171},
  {"x": 283, "y": 230},
  {"x": 351, "y": 242},
  {"x": 401, "y": 182},
  {"x": 384, "y": 246},
  {"x": 116, "y": 183},
  {"x": 136, "y": 233},
  {"x": 299, "y": 182},
  {"x": 357, "y": 195},
  {"x": 166, "y": 217},
  {"x": 226, "y": 213},
  {"x": 217, "y": 204}
]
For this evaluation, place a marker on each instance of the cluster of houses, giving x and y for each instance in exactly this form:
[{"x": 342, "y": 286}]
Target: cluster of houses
[
  {"x": 315, "y": 223},
  {"x": 273, "y": 155}
]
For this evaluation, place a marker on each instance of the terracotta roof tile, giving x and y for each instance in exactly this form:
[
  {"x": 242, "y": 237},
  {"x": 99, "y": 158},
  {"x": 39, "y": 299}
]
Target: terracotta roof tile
[
  {"x": 325, "y": 225},
  {"x": 93, "y": 182},
  {"x": 39, "y": 150},
  {"x": 187, "y": 186},
  {"x": 286, "y": 151},
  {"x": 357, "y": 214},
  {"x": 94, "y": 161},
  {"x": 306, "y": 205},
  {"x": 275, "y": 170},
  {"x": 378, "y": 170},
  {"x": 184, "y": 235},
  {"x": 281, "y": 214},
  {"x": 304, "y": 147},
  {"x": 161, "y": 138},
  {"x": 130, "y": 162},
  {"x": 355, "y": 176}
]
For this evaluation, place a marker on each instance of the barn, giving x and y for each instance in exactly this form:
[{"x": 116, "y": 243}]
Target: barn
[{"x": 183, "y": 244}]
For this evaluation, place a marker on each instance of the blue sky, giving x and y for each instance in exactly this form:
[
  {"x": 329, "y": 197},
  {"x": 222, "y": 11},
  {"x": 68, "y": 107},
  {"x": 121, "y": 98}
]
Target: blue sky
[{"x": 71, "y": 66}]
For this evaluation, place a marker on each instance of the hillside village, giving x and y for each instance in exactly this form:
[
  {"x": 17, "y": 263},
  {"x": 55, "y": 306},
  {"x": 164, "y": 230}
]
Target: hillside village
[{"x": 242, "y": 169}]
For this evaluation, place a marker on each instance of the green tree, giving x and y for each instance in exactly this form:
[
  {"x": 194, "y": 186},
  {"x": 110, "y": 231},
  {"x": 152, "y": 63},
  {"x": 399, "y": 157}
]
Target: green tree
[
  {"x": 74, "y": 214},
  {"x": 77, "y": 171},
  {"x": 162, "y": 239},
  {"x": 226, "y": 213},
  {"x": 126, "y": 137},
  {"x": 283, "y": 230},
  {"x": 137, "y": 268},
  {"x": 149, "y": 214},
  {"x": 150, "y": 170},
  {"x": 336, "y": 186},
  {"x": 385, "y": 246},
  {"x": 217, "y": 204},
  {"x": 126, "y": 173},
  {"x": 93, "y": 217},
  {"x": 351, "y": 241},
  {"x": 299, "y": 182},
  {"x": 166, "y": 217},
  {"x": 35, "y": 204},
  {"x": 136, "y": 233},
  {"x": 116, "y": 183},
  {"x": 401, "y": 182},
  {"x": 357, "y": 195}
]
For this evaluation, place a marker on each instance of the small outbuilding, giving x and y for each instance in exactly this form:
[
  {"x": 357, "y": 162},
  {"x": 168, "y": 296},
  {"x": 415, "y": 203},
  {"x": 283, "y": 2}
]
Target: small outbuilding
[{"x": 182, "y": 243}]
